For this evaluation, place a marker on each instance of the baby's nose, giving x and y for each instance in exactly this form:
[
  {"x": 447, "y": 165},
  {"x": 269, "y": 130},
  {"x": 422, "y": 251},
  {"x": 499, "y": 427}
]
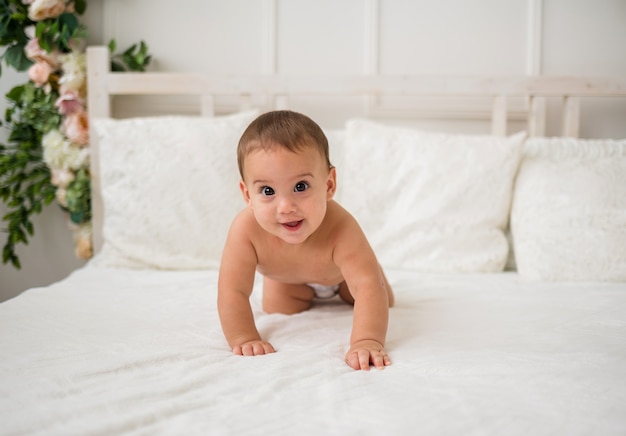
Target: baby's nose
[{"x": 286, "y": 205}]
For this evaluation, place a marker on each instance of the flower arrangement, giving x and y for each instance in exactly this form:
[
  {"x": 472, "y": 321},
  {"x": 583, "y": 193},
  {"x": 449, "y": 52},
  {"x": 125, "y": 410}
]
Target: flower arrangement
[{"x": 47, "y": 155}]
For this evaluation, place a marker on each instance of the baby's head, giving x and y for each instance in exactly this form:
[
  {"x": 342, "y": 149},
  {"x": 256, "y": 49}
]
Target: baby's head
[{"x": 283, "y": 128}]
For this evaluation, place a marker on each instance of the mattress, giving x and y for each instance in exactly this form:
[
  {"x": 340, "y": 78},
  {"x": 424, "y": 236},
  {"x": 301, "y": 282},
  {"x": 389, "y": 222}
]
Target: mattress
[{"x": 120, "y": 351}]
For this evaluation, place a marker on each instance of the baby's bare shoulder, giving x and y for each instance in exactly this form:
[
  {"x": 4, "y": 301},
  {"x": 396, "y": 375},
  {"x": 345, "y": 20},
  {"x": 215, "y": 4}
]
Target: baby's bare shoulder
[
  {"x": 342, "y": 229},
  {"x": 244, "y": 220},
  {"x": 243, "y": 227},
  {"x": 339, "y": 218},
  {"x": 347, "y": 234}
]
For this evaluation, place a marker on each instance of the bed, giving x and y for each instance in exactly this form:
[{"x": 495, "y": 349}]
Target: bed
[{"x": 506, "y": 252}]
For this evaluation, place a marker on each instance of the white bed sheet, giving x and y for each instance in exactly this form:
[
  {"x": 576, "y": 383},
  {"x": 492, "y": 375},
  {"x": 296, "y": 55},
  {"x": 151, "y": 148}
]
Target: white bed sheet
[{"x": 141, "y": 352}]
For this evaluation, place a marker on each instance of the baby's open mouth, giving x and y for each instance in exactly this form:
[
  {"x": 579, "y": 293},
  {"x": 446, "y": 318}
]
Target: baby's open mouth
[{"x": 292, "y": 225}]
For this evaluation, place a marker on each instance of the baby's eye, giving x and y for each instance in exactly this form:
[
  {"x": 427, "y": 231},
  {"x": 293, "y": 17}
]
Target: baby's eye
[
  {"x": 267, "y": 191},
  {"x": 301, "y": 187}
]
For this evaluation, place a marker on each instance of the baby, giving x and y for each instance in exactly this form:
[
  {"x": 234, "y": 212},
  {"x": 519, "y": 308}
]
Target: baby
[{"x": 303, "y": 243}]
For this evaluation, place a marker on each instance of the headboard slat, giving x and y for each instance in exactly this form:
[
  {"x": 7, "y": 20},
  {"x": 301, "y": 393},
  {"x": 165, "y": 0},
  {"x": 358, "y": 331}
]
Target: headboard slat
[
  {"x": 99, "y": 96},
  {"x": 571, "y": 116},
  {"x": 537, "y": 116},
  {"x": 207, "y": 105},
  {"x": 499, "y": 116},
  {"x": 361, "y": 85}
]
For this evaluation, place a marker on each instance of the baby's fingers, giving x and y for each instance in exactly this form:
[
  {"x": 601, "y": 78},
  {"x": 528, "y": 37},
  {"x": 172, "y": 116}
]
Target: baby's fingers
[
  {"x": 380, "y": 360},
  {"x": 359, "y": 360},
  {"x": 364, "y": 359},
  {"x": 354, "y": 360},
  {"x": 255, "y": 348}
]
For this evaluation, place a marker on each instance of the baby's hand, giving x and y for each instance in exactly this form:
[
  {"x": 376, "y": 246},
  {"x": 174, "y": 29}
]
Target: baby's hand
[
  {"x": 254, "y": 348},
  {"x": 362, "y": 353}
]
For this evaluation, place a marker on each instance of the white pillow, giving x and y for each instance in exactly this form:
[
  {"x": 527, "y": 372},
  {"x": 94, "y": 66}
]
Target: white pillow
[
  {"x": 169, "y": 188},
  {"x": 430, "y": 201},
  {"x": 568, "y": 217}
]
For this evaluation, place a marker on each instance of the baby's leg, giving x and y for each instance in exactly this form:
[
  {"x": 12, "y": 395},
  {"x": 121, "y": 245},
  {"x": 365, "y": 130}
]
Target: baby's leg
[
  {"x": 286, "y": 298},
  {"x": 344, "y": 291}
]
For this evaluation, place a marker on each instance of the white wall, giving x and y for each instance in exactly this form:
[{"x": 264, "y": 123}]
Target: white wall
[
  {"x": 351, "y": 36},
  {"x": 386, "y": 36}
]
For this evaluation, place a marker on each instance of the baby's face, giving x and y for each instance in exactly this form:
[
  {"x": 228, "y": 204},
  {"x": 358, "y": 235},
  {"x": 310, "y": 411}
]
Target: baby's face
[{"x": 288, "y": 192}]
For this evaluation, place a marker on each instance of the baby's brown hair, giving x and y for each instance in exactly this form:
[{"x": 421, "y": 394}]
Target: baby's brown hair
[{"x": 282, "y": 128}]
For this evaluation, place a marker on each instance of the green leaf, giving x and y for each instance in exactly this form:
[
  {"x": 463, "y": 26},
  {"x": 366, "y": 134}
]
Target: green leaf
[
  {"x": 37, "y": 207},
  {"x": 6, "y": 253},
  {"x": 18, "y": 236},
  {"x": 68, "y": 20},
  {"x": 54, "y": 28},
  {"x": 15, "y": 57},
  {"x": 16, "y": 262},
  {"x": 80, "y": 6},
  {"x": 29, "y": 228},
  {"x": 112, "y": 46},
  {"x": 130, "y": 50},
  {"x": 39, "y": 29},
  {"x": 15, "y": 94}
]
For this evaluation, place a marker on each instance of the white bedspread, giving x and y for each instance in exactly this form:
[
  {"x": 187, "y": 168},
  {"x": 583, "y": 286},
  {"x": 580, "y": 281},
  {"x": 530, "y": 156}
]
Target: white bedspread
[{"x": 138, "y": 352}]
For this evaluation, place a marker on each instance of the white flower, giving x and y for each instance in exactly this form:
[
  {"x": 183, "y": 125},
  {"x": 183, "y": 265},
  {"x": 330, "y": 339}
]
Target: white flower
[
  {"x": 60, "y": 154},
  {"x": 62, "y": 178},
  {"x": 52, "y": 143},
  {"x": 29, "y": 30},
  {"x": 61, "y": 196},
  {"x": 74, "y": 78},
  {"x": 42, "y": 9}
]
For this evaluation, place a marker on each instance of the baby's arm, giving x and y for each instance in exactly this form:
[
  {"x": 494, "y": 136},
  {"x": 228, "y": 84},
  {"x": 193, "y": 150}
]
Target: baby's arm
[
  {"x": 369, "y": 326},
  {"x": 235, "y": 283},
  {"x": 368, "y": 287}
]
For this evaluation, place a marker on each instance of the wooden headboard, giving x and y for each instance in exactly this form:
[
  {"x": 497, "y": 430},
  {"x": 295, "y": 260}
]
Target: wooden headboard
[{"x": 278, "y": 89}]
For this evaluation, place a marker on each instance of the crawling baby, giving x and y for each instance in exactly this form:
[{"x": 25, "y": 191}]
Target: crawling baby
[{"x": 303, "y": 243}]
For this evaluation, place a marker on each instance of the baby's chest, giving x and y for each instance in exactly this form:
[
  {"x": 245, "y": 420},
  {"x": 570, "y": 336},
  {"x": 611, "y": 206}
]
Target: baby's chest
[{"x": 298, "y": 266}]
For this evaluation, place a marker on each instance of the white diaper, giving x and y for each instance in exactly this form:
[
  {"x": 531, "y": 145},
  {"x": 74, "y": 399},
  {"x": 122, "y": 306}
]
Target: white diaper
[{"x": 323, "y": 291}]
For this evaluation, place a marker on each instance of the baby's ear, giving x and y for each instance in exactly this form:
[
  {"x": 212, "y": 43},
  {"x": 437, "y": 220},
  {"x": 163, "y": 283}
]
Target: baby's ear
[
  {"x": 244, "y": 192},
  {"x": 331, "y": 183}
]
